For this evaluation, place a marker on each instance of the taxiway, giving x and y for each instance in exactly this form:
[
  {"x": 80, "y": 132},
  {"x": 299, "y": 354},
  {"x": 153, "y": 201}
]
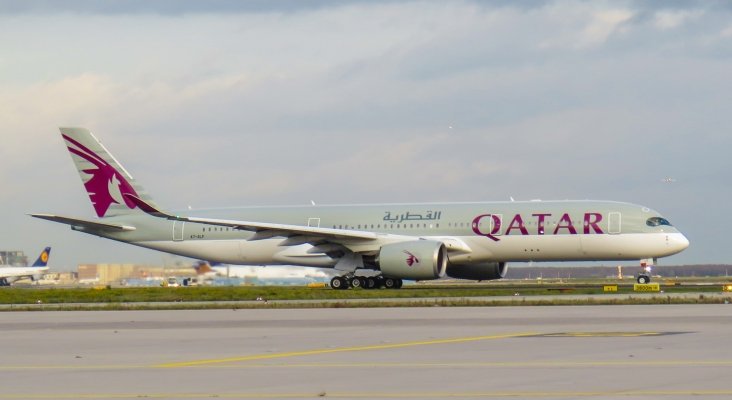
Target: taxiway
[{"x": 630, "y": 352}]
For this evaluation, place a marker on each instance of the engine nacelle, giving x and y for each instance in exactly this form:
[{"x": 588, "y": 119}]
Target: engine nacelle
[
  {"x": 478, "y": 272},
  {"x": 418, "y": 260},
  {"x": 10, "y": 279}
]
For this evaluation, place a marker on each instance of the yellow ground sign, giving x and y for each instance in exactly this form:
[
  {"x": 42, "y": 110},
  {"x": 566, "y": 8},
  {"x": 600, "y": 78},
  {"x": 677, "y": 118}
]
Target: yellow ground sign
[
  {"x": 646, "y": 287},
  {"x": 610, "y": 288}
]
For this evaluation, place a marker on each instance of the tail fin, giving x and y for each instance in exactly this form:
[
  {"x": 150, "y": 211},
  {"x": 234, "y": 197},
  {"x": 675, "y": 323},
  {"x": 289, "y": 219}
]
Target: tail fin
[
  {"x": 202, "y": 267},
  {"x": 42, "y": 260},
  {"x": 105, "y": 179}
]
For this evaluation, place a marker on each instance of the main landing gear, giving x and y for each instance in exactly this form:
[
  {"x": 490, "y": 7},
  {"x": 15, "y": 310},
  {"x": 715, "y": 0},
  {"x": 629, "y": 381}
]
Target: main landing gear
[
  {"x": 365, "y": 282},
  {"x": 643, "y": 279}
]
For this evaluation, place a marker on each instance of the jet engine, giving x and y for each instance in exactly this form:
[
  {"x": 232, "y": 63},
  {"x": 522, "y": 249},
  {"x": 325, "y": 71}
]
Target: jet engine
[
  {"x": 479, "y": 272},
  {"x": 418, "y": 260},
  {"x": 8, "y": 280}
]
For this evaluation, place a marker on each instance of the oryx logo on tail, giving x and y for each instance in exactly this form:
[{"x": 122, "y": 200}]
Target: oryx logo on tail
[{"x": 106, "y": 186}]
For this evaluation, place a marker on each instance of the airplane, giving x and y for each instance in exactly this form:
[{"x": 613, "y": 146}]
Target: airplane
[
  {"x": 10, "y": 274},
  {"x": 421, "y": 241}
]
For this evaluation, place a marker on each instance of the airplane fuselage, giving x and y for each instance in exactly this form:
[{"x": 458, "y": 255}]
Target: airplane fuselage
[{"x": 474, "y": 232}]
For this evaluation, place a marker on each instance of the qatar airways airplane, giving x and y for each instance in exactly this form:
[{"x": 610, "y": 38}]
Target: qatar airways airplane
[{"x": 420, "y": 241}]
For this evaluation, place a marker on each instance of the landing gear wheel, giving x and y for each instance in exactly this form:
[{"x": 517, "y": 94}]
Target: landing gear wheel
[
  {"x": 338, "y": 283},
  {"x": 357, "y": 282},
  {"x": 370, "y": 283},
  {"x": 399, "y": 283},
  {"x": 390, "y": 283},
  {"x": 643, "y": 279}
]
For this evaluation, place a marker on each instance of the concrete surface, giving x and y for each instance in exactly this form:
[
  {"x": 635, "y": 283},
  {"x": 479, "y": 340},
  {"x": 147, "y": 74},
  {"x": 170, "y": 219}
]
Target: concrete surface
[{"x": 629, "y": 352}]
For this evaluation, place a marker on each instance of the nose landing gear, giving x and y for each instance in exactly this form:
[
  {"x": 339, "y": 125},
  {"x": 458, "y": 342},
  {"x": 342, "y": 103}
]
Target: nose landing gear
[{"x": 645, "y": 275}]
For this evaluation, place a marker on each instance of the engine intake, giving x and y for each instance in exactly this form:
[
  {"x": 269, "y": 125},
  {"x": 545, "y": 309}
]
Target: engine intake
[
  {"x": 478, "y": 272},
  {"x": 418, "y": 260}
]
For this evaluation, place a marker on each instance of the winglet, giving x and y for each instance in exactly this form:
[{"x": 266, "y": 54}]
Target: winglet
[{"x": 147, "y": 207}]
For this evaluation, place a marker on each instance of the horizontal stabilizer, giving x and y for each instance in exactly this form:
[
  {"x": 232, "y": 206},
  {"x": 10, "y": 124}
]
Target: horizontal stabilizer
[{"x": 83, "y": 223}]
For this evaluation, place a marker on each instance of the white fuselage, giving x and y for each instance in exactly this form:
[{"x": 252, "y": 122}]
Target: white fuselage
[
  {"x": 513, "y": 231},
  {"x": 12, "y": 274}
]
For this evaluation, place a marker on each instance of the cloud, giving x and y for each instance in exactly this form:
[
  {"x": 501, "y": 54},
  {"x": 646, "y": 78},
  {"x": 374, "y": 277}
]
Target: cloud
[
  {"x": 353, "y": 103},
  {"x": 160, "y": 7},
  {"x": 670, "y": 19}
]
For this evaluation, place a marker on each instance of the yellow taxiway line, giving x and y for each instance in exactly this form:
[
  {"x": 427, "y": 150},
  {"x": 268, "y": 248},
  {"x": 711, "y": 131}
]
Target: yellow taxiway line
[{"x": 256, "y": 357}]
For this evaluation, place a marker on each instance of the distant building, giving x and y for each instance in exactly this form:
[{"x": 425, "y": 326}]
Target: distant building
[
  {"x": 105, "y": 274},
  {"x": 13, "y": 257}
]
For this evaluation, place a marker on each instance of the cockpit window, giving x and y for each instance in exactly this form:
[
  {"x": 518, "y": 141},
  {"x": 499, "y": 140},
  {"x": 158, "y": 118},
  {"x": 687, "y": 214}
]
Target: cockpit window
[{"x": 656, "y": 221}]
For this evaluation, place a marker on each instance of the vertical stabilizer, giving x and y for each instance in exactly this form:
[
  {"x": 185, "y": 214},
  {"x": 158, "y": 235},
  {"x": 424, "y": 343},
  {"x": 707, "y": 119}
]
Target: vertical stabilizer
[
  {"x": 42, "y": 260},
  {"x": 105, "y": 179}
]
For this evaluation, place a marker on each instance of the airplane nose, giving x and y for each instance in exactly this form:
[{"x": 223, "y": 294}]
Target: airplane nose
[{"x": 678, "y": 242}]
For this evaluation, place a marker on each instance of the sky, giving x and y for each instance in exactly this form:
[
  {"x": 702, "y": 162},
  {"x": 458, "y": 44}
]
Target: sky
[{"x": 226, "y": 103}]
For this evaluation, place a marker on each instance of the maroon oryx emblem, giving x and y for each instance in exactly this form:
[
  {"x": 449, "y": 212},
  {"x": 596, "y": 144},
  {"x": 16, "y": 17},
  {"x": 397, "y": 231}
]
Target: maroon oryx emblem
[{"x": 411, "y": 258}]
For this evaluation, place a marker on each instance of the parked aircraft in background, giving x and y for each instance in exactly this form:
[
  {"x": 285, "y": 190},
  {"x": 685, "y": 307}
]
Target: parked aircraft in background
[
  {"x": 206, "y": 269},
  {"x": 227, "y": 274},
  {"x": 10, "y": 274},
  {"x": 399, "y": 241}
]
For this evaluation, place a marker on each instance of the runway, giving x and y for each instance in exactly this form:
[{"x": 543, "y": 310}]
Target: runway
[{"x": 629, "y": 352}]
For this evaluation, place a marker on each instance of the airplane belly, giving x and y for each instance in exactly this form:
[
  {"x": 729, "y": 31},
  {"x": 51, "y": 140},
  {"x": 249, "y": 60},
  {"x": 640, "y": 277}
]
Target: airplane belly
[
  {"x": 298, "y": 255},
  {"x": 631, "y": 246},
  {"x": 224, "y": 251}
]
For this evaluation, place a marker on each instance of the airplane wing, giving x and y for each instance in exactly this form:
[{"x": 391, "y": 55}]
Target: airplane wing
[
  {"x": 83, "y": 224},
  {"x": 295, "y": 234}
]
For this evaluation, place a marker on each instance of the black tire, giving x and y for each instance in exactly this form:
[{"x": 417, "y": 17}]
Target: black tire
[
  {"x": 390, "y": 283},
  {"x": 370, "y": 283},
  {"x": 399, "y": 283},
  {"x": 338, "y": 283},
  {"x": 643, "y": 279},
  {"x": 357, "y": 282}
]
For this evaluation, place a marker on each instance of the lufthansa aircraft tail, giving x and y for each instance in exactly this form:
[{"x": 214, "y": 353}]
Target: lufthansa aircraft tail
[
  {"x": 42, "y": 260},
  {"x": 105, "y": 179}
]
